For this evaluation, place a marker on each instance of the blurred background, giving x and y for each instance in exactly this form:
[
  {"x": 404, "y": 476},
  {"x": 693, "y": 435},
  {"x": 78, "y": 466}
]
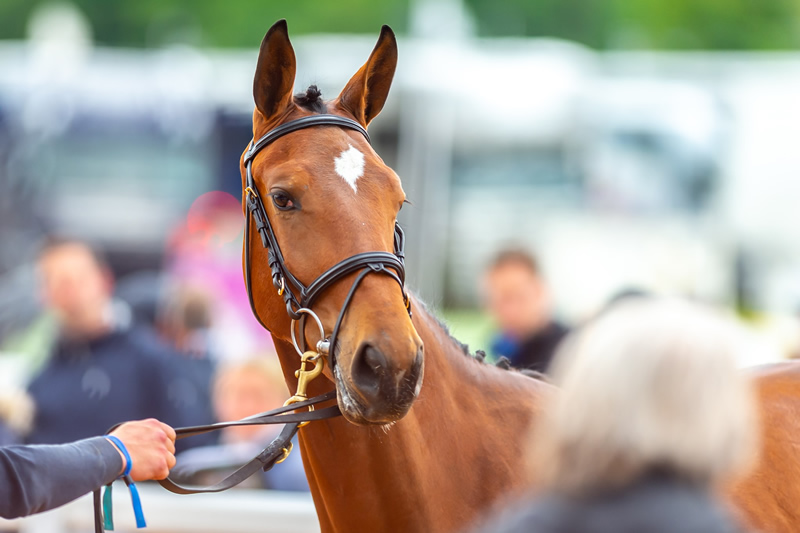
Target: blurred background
[{"x": 643, "y": 146}]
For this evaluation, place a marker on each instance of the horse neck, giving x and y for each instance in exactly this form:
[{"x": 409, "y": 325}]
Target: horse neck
[{"x": 404, "y": 477}]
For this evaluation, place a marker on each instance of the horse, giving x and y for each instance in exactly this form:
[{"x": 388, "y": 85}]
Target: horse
[
  {"x": 430, "y": 437},
  {"x": 385, "y": 465},
  {"x": 766, "y": 498}
]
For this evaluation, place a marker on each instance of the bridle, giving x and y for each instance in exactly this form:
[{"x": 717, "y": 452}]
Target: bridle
[{"x": 299, "y": 300}]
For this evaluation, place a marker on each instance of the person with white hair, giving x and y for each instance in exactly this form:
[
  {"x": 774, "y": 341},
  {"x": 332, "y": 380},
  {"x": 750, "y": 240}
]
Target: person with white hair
[{"x": 653, "y": 414}]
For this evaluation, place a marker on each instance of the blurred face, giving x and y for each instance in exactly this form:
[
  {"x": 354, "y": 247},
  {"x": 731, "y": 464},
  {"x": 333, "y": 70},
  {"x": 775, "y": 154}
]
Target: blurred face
[
  {"x": 75, "y": 288},
  {"x": 242, "y": 393},
  {"x": 516, "y": 299}
]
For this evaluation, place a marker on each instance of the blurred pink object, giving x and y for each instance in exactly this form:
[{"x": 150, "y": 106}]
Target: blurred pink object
[{"x": 205, "y": 251}]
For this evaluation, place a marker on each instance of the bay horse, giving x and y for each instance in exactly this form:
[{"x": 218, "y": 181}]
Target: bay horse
[
  {"x": 409, "y": 454},
  {"x": 767, "y": 498}
]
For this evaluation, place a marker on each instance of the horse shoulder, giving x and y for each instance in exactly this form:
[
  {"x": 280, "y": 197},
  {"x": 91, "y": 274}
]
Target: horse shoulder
[{"x": 768, "y": 495}]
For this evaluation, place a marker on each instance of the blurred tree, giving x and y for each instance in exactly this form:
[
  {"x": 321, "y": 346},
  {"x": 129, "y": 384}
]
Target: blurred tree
[
  {"x": 657, "y": 24},
  {"x": 577, "y": 20},
  {"x": 213, "y": 23},
  {"x": 603, "y": 24},
  {"x": 712, "y": 24}
]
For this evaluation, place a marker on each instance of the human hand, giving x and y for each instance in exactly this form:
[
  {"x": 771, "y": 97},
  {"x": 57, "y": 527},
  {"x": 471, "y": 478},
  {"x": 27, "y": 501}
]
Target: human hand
[{"x": 151, "y": 445}]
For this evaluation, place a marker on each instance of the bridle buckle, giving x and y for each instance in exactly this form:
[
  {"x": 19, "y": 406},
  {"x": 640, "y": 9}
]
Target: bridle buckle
[
  {"x": 249, "y": 191},
  {"x": 283, "y": 287},
  {"x": 286, "y": 451},
  {"x": 304, "y": 377}
]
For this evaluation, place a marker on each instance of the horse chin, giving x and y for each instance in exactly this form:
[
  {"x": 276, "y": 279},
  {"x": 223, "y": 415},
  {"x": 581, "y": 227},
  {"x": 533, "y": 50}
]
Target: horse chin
[{"x": 356, "y": 413}]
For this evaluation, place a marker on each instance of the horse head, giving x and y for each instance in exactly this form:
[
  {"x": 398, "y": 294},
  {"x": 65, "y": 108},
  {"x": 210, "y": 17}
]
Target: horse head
[{"x": 328, "y": 197}]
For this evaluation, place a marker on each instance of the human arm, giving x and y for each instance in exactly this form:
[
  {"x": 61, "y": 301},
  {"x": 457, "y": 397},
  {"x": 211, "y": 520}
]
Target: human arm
[{"x": 34, "y": 479}]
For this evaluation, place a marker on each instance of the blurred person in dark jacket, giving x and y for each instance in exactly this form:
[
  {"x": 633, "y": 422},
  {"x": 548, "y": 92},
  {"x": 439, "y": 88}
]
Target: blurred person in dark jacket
[
  {"x": 652, "y": 417},
  {"x": 103, "y": 369},
  {"x": 517, "y": 297}
]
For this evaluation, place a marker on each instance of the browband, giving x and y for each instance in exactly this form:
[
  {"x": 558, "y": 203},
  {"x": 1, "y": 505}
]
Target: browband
[{"x": 299, "y": 124}]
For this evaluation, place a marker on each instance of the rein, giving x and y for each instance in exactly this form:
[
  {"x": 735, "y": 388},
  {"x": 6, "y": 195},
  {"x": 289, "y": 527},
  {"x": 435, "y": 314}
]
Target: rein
[{"x": 298, "y": 299}]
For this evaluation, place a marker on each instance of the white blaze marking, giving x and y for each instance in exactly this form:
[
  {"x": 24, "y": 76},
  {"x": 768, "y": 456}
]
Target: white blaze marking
[{"x": 350, "y": 166}]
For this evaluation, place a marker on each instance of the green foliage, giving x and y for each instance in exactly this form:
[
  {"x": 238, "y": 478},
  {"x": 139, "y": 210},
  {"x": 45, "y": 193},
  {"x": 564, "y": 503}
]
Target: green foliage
[
  {"x": 602, "y": 24},
  {"x": 656, "y": 24},
  {"x": 213, "y": 23}
]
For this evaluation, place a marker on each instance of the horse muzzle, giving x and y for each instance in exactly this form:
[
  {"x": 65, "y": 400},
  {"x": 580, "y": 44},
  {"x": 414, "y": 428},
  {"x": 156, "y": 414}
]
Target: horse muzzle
[{"x": 377, "y": 390}]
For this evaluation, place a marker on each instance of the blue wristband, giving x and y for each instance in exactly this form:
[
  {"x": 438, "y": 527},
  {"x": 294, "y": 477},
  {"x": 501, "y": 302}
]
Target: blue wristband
[
  {"x": 121, "y": 447},
  {"x": 135, "y": 499}
]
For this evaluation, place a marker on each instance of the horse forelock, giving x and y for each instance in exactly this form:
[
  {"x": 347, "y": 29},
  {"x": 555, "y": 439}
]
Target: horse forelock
[{"x": 311, "y": 100}]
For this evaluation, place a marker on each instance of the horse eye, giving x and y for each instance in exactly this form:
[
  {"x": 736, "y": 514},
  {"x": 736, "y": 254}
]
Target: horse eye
[{"x": 282, "y": 201}]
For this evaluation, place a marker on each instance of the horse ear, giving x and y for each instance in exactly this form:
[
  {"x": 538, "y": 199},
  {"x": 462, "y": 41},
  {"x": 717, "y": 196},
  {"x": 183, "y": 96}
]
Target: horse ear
[
  {"x": 275, "y": 71},
  {"x": 366, "y": 92}
]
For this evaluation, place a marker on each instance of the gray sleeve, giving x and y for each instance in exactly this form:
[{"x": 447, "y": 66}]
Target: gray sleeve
[{"x": 34, "y": 479}]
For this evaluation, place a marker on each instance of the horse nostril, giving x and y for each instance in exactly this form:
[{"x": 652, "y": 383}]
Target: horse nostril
[
  {"x": 419, "y": 359},
  {"x": 369, "y": 368},
  {"x": 415, "y": 373}
]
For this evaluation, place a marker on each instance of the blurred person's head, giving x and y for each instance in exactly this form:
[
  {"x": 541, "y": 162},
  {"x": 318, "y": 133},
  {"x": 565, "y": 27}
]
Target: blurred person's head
[
  {"x": 77, "y": 286},
  {"x": 651, "y": 386},
  {"x": 184, "y": 317},
  {"x": 245, "y": 388},
  {"x": 516, "y": 294}
]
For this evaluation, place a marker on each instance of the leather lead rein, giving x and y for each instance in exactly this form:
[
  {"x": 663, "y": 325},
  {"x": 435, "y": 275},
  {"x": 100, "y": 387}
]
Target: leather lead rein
[{"x": 265, "y": 460}]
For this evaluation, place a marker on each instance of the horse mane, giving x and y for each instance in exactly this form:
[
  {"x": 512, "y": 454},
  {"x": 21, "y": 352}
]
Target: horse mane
[
  {"x": 479, "y": 355},
  {"x": 311, "y": 100}
]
